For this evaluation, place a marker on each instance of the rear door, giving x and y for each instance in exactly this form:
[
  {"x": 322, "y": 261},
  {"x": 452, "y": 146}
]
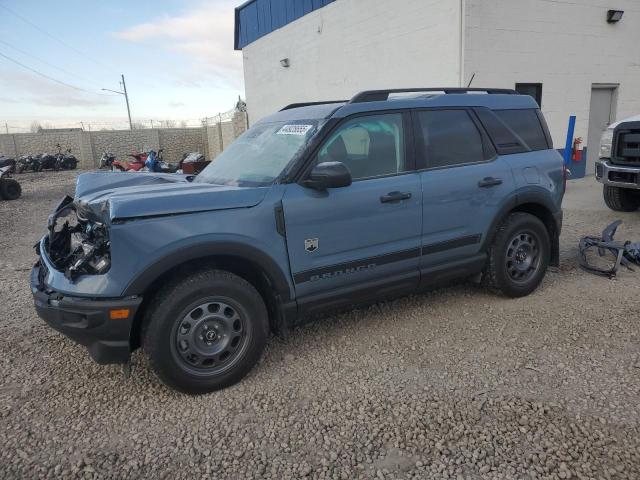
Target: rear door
[
  {"x": 464, "y": 184},
  {"x": 365, "y": 236}
]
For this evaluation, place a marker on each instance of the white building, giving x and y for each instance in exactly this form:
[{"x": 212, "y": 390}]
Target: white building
[{"x": 568, "y": 53}]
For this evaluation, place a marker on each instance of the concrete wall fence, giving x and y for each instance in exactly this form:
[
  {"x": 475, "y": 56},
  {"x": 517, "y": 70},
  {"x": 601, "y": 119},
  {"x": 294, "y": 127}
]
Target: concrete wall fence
[{"x": 88, "y": 147}]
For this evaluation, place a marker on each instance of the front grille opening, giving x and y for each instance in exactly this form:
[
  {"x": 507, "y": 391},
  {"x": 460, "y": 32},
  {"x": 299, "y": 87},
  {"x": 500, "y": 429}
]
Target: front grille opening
[
  {"x": 623, "y": 177},
  {"x": 628, "y": 147}
]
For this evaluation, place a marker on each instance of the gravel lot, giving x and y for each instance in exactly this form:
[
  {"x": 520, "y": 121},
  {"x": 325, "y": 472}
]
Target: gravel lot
[{"x": 457, "y": 383}]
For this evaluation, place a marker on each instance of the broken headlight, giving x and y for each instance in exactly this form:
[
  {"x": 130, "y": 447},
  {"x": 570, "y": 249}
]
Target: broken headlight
[{"x": 77, "y": 243}]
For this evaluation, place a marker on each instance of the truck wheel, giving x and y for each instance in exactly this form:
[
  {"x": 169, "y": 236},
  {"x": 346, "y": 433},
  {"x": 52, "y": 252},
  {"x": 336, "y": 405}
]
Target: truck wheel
[
  {"x": 205, "y": 332},
  {"x": 518, "y": 256},
  {"x": 621, "y": 199},
  {"x": 10, "y": 189}
]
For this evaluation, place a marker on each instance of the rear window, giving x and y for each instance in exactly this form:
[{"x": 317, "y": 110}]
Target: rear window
[{"x": 526, "y": 124}]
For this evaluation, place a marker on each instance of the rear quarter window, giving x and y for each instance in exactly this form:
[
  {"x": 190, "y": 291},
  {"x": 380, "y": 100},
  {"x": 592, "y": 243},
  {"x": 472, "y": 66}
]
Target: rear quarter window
[{"x": 525, "y": 124}]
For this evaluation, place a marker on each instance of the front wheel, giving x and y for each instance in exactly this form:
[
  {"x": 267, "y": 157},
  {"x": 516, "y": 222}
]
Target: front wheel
[
  {"x": 205, "y": 332},
  {"x": 518, "y": 256},
  {"x": 621, "y": 199}
]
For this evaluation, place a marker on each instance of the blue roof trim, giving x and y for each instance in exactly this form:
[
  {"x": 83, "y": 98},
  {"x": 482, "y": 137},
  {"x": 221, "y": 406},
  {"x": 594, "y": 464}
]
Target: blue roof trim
[{"x": 257, "y": 18}]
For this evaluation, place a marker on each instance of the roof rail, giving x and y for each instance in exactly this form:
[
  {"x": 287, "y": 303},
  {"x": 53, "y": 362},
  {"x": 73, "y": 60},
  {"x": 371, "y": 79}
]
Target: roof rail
[
  {"x": 308, "y": 104},
  {"x": 383, "y": 95}
]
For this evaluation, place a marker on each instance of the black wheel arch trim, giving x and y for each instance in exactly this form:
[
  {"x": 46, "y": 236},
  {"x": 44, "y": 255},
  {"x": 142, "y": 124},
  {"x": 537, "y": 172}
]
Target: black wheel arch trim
[
  {"x": 530, "y": 194},
  {"x": 183, "y": 254}
]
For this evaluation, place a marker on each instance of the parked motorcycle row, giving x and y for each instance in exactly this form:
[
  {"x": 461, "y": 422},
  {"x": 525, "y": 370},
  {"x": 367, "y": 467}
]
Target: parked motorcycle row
[
  {"x": 152, "y": 161},
  {"x": 37, "y": 163}
]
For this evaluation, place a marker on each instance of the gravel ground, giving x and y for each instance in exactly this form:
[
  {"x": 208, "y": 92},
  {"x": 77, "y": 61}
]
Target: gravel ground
[{"x": 457, "y": 383}]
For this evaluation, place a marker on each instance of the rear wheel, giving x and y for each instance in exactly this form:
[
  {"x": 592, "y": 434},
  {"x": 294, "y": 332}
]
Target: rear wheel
[
  {"x": 621, "y": 199},
  {"x": 518, "y": 256},
  {"x": 205, "y": 332},
  {"x": 10, "y": 189}
]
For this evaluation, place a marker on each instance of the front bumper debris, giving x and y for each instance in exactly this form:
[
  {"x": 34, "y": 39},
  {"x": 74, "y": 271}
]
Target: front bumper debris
[
  {"x": 87, "y": 321},
  {"x": 617, "y": 175}
]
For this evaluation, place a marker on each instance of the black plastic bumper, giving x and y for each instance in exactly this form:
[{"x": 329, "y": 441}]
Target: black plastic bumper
[{"x": 86, "y": 321}]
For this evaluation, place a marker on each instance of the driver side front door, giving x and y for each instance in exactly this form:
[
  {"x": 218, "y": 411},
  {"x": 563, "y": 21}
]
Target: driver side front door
[{"x": 353, "y": 243}]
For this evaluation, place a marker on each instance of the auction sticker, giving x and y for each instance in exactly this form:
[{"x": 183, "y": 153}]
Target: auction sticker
[{"x": 294, "y": 129}]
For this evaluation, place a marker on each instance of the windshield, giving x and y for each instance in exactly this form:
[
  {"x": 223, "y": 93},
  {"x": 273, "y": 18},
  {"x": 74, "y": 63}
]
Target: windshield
[{"x": 259, "y": 155}]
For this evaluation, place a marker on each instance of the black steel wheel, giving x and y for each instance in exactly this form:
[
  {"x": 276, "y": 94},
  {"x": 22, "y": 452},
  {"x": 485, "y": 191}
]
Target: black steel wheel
[
  {"x": 522, "y": 258},
  {"x": 205, "y": 331},
  {"x": 518, "y": 255},
  {"x": 211, "y": 336}
]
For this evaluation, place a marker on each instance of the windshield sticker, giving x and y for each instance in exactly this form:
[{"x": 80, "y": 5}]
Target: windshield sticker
[{"x": 294, "y": 129}]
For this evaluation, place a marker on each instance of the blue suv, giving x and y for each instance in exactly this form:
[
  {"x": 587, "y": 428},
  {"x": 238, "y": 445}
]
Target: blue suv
[{"x": 320, "y": 206}]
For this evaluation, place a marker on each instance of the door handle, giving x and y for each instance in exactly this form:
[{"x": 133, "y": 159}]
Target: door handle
[
  {"x": 395, "y": 197},
  {"x": 487, "y": 182}
]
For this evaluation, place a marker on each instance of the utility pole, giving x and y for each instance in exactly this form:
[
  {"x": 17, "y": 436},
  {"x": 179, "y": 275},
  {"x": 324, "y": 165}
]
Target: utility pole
[
  {"x": 6, "y": 127},
  {"x": 126, "y": 97}
]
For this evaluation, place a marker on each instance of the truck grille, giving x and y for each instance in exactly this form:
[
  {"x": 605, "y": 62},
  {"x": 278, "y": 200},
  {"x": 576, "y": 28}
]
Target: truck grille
[{"x": 627, "y": 147}]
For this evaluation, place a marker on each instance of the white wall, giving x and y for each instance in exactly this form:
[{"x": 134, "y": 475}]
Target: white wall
[
  {"x": 354, "y": 45},
  {"x": 565, "y": 45}
]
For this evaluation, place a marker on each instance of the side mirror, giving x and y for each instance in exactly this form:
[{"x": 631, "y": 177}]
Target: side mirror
[{"x": 328, "y": 175}]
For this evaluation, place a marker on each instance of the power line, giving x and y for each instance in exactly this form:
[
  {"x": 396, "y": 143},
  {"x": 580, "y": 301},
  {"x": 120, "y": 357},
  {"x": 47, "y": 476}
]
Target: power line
[
  {"x": 62, "y": 42},
  {"x": 51, "y": 78},
  {"x": 47, "y": 63}
]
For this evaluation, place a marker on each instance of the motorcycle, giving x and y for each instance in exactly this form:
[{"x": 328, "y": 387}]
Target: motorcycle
[
  {"x": 47, "y": 162},
  {"x": 106, "y": 160},
  {"x": 135, "y": 166},
  {"x": 9, "y": 188},
  {"x": 65, "y": 161},
  {"x": 28, "y": 162},
  {"x": 7, "y": 162},
  {"x": 155, "y": 163}
]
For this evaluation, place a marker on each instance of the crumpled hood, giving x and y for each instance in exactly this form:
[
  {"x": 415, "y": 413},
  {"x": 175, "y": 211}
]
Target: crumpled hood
[{"x": 121, "y": 195}]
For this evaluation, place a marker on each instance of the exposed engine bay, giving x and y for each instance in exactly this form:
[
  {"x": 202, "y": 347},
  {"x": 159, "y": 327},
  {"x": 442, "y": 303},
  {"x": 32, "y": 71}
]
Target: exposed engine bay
[{"x": 77, "y": 242}]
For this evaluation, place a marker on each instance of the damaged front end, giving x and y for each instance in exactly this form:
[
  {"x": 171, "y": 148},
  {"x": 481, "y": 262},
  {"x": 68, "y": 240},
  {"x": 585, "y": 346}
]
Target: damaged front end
[{"x": 78, "y": 240}]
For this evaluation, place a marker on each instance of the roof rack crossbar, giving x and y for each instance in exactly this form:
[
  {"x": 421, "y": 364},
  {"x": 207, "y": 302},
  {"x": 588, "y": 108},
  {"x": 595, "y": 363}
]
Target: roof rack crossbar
[
  {"x": 383, "y": 95},
  {"x": 307, "y": 104}
]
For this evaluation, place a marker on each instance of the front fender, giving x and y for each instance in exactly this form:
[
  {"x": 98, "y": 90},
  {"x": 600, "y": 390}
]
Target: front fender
[{"x": 193, "y": 249}]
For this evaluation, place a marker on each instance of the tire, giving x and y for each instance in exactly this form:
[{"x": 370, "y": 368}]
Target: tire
[
  {"x": 621, "y": 199},
  {"x": 518, "y": 256},
  {"x": 10, "y": 189},
  {"x": 205, "y": 332}
]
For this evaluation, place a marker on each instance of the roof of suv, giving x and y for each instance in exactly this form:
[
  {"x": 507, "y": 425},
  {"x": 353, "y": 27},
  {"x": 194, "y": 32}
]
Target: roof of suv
[{"x": 436, "y": 98}]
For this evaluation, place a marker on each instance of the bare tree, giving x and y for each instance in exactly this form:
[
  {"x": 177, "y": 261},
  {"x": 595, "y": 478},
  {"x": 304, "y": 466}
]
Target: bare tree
[
  {"x": 35, "y": 126},
  {"x": 170, "y": 123},
  {"x": 138, "y": 125},
  {"x": 183, "y": 124}
]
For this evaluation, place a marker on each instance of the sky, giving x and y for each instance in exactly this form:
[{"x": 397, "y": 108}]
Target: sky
[{"x": 177, "y": 58}]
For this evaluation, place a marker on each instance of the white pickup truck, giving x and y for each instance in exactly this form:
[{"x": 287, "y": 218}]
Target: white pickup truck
[{"x": 618, "y": 167}]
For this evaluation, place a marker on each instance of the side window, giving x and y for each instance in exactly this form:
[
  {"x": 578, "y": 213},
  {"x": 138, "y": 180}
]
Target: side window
[
  {"x": 369, "y": 146},
  {"x": 526, "y": 124},
  {"x": 450, "y": 138}
]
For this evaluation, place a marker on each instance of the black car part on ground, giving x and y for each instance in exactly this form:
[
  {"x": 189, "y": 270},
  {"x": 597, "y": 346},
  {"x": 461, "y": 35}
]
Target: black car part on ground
[
  {"x": 625, "y": 253},
  {"x": 81, "y": 244}
]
